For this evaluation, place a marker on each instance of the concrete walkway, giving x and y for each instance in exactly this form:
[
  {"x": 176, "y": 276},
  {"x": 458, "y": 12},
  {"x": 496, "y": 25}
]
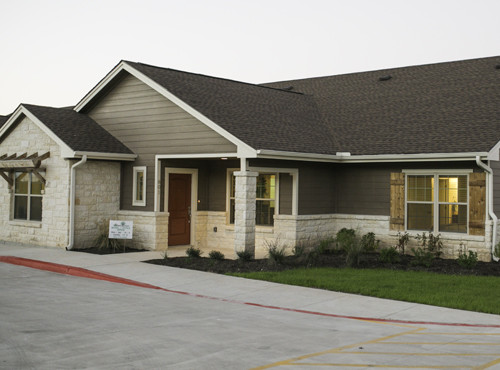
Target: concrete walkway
[{"x": 271, "y": 295}]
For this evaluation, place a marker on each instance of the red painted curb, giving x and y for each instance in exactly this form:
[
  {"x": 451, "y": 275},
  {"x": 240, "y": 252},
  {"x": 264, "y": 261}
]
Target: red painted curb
[{"x": 89, "y": 274}]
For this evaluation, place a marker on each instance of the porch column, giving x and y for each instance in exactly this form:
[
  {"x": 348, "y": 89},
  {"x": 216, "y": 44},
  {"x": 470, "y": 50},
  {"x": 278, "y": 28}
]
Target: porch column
[{"x": 244, "y": 214}]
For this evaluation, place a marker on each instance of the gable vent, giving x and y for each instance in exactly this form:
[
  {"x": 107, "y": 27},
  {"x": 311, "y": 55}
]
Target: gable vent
[
  {"x": 385, "y": 78},
  {"x": 497, "y": 66}
]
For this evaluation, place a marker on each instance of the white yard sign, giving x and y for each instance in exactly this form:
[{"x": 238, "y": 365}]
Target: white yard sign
[{"x": 120, "y": 229}]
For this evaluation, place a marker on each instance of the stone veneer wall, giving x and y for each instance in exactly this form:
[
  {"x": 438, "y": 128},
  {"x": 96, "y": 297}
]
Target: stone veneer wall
[
  {"x": 150, "y": 229},
  {"x": 97, "y": 199},
  {"x": 223, "y": 238},
  {"x": 52, "y": 231},
  {"x": 309, "y": 229}
]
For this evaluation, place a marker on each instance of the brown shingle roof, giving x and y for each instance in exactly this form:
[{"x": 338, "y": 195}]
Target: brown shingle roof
[
  {"x": 262, "y": 117},
  {"x": 78, "y": 131},
  {"x": 440, "y": 108}
]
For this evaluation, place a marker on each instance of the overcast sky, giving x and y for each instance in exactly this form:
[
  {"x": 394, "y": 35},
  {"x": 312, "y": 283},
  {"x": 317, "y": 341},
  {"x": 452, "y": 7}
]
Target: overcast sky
[{"x": 53, "y": 52}]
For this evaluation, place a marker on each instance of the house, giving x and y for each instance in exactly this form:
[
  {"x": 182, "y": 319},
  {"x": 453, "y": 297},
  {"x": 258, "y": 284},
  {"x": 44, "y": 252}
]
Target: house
[{"x": 221, "y": 164}]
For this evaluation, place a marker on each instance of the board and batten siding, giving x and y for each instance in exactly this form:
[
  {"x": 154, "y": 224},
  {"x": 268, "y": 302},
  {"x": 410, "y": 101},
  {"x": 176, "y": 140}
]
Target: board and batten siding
[{"x": 150, "y": 124}]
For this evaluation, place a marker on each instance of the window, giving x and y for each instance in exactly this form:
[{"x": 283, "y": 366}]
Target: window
[
  {"x": 265, "y": 200},
  {"x": 441, "y": 208},
  {"x": 28, "y": 194},
  {"x": 139, "y": 187}
]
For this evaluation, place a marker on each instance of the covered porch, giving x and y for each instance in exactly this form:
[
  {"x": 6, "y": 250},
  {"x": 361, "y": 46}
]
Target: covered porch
[{"x": 221, "y": 202}]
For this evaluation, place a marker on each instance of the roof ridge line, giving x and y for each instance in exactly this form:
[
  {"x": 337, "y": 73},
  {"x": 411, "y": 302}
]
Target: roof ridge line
[
  {"x": 382, "y": 70},
  {"x": 215, "y": 77}
]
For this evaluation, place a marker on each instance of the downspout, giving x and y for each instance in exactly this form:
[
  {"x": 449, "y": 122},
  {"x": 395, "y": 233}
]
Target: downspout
[
  {"x": 72, "y": 202},
  {"x": 490, "y": 206}
]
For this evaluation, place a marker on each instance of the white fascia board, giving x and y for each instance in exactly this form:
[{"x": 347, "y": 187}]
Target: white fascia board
[
  {"x": 273, "y": 154},
  {"x": 196, "y": 155},
  {"x": 92, "y": 93},
  {"x": 244, "y": 150},
  {"x": 107, "y": 156},
  {"x": 66, "y": 151}
]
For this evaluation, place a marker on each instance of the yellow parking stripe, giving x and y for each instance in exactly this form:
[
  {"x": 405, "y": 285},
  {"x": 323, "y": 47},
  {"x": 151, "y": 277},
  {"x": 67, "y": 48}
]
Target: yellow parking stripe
[
  {"x": 424, "y": 354},
  {"x": 447, "y": 343},
  {"x": 489, "y": 364},
  {"x": 335, "y": 350}
]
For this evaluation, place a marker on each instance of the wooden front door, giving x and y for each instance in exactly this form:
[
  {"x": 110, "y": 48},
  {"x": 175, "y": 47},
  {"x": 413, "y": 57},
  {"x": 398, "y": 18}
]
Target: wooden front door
[{"x": 179, "y": 208}]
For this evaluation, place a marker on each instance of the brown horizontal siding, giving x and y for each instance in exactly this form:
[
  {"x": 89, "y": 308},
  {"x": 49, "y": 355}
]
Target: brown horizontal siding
[{"x": 363, "y": 190}]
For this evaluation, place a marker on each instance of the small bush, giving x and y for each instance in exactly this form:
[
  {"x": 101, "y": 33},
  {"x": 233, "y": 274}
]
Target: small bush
[
  {"x": 345, "y": 237},
  {"x": 326, "y": 245},
  {"x": 431, "y": 243},
  {"x": 496, "y": 252},
  {"x": 353, "y": 252},
  {"x": 389, "y": 255},
  {"x": 193, "y": 252},
  {"x": 102, "y": 240},
  {"x": 216, "y": 255},
  {"x": 422, "y": 257},
  {"x": 369, "y": 243},
  {"x": 275, "y": 252},
  {"x": 244, "y": 255},
  {"x": 403, "y": 239},
  {"x": 465, "y": 260},
  {"x": 299, "y": 250}
]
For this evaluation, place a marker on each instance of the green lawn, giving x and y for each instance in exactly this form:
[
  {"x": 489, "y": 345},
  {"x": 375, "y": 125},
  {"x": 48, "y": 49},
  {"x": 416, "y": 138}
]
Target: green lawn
[{"x": 473, "y": 293}]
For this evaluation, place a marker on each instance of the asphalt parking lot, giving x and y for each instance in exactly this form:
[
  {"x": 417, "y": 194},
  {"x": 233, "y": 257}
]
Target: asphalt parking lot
[{"x": 200, "y": 321}]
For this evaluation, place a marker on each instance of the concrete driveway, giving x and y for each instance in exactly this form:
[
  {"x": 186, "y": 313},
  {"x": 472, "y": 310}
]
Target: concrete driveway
[{"x": 192, "y": 320}]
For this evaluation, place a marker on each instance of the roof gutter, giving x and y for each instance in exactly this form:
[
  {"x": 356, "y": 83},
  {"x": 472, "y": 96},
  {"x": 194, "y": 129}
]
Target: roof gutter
[
  {"x": 346, "y": 157},
  {"x": 72, "y": 203},
  {"x": 489, "y": 186},
  {"x": 105, "y": 156}
]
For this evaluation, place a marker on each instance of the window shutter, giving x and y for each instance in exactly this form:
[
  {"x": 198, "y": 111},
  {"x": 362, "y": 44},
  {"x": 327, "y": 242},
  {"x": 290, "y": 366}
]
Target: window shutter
[
  {"x": 397, "y": 201},
  {"x": 477, "y": 203}
]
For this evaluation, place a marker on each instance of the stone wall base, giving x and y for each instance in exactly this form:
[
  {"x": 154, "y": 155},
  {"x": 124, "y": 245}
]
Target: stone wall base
[
  {"x": 150, "y": 229},
  {"x": 213, "y": 233}
]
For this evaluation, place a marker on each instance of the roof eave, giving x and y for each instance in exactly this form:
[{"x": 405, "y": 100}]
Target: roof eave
[
  {"x": 347, "y": 158},
  {"x": 105, "y": 156}
]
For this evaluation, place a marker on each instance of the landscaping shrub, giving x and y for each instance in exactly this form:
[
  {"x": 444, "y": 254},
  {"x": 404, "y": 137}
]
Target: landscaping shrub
[
  {"x": 389, "y": 255},
  {"x": 403, "y": 239},
  {"x": 193, "y": 252},
  {"x": 350, "y": 243},
  {"x": 497, "y": 250},
  {"x": 299, "y": 250},
  {"x": 216, "y": 255},
  {"x": 466, "y": 260},
  {"x": 422, "y": 257},
  {"x": 275, "y": 252},
  {"x": 345, "y": 237},
  {"x": 244, "y": 255},
  {"x": 430, "y": 248},
  {"x": 102, "y": 240},
  {"x": 326, "y": 245},
  {"x": 369, "y": 243}
]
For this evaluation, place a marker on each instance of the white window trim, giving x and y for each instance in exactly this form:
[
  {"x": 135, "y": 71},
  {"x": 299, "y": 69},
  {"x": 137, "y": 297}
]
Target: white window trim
[
  {"x": 136, "y": 202},
  {"x": 294, "y": 172},
  {"x": 436, "y": 173},
  {"x": 26, "y": 221}
]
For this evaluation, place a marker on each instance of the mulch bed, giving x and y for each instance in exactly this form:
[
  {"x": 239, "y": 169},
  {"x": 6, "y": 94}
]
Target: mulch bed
[
  {"x": 103, "y": 251},
  {"x": 369, "y": 260}
]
